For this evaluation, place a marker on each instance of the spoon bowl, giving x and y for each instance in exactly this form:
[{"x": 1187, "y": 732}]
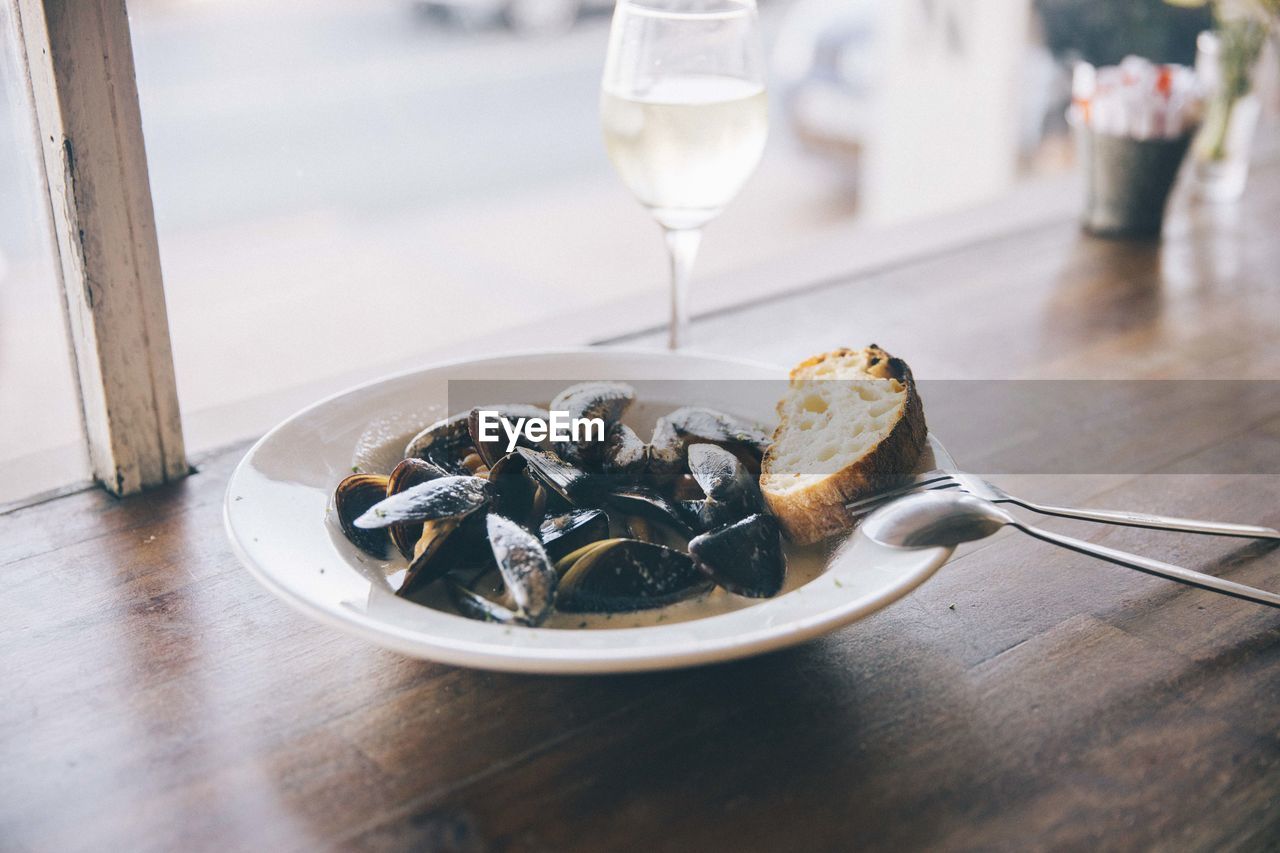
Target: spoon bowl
[
  {"x": 948, "y": 518},
  {"x": 934, "y": 519}
]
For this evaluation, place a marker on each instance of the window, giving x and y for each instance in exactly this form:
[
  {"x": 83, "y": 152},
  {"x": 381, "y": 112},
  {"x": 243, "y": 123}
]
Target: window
[{"x": 41, "y": 440}]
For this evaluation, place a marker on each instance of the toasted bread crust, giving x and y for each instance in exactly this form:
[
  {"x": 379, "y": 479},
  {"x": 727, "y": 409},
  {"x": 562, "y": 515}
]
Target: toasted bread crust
[{"x": 818, "y": 511}]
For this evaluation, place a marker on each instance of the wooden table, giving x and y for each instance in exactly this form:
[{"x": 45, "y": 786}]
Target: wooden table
[{"x": 156, "y": 698}]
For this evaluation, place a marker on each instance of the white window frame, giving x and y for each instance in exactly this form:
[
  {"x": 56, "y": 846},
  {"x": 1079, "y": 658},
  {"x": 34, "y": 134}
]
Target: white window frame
[{"x": 78, "y": 59}]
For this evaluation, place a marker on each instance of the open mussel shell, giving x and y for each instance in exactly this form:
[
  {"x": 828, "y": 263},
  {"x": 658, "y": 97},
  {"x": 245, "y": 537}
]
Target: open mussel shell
[
  {"x": 448, "y": 442},
  {"x": 446, "y": 545},
  {"x": 409, "y": 473},
  {"x": 445, "y": 443},
  {"x": 674, "y": 432},
  {"x": 621, "y": 575},
  {"x": 648, "y": 504},
  {"x": 569, "y": 531},
  {"x": 451, "y": 497},
  {"x": 686, "y": 488},
  {"x": 429, "y": 563},
  {"x": 473, "y": 605},
  {"x": 732, "y": 492},
  {"x": 700, "y": 424},
  {"x": 527, "y": 572},
  {"x": 517, "y": 494},
  {"x": 516, "y": 415},
  {"x": 639, "y": 527},
  {"x": 355, "y": 495},
  {"x": 745, "y": 558},
  {"x": 569, "y": 482},
  {"x": 606, "y": 401},
  {"x": 412, "y": 472}
]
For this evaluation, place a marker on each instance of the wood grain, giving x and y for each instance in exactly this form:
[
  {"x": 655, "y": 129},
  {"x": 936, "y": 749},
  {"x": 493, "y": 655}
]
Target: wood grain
[{"x": 1024, "y": 699}]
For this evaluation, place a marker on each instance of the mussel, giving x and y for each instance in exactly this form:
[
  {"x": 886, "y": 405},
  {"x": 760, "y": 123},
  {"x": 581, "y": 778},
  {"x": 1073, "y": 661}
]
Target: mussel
[
  {"x": 473, "y": 605},
  {"x": 620, "y": 575},
  {"x": 493, "y": 449},
  {"x": 625, "y": 454},
  {"x": 674, "y": 432},
  {"x": 438, "y": 508},
  {"x": 445, "y": 498},
  {"x": 606, "y": 401},
  {"x": 448, "y": 442},
  {"x": 731, "y": 491},
  {"x": 445, "y": 443},
  {"x": 569, "y": 531},
  {"x": 409, "y": 473},
  {"x": 745, "y": 557},
  {"x": 355, "y": 495},
  {"x": 649, "y": 504},
  {"x": 446, "y": 545},
  {"x": 527, "y": 572},
  {"x": 571, "y": 483},
  {"x": 517, "y": 494}
]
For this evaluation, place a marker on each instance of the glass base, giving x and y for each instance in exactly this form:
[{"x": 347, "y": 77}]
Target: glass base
[
  {"x": 1222, "y": 149},
  {"x": 1221, "y": 180}
]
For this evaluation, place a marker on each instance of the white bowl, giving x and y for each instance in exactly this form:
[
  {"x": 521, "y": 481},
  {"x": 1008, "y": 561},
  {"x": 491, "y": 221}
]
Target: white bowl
[{"x": 277, "y": 516}]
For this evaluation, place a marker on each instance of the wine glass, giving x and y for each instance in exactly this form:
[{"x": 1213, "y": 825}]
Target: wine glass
[{"x": 684, "y": 112}]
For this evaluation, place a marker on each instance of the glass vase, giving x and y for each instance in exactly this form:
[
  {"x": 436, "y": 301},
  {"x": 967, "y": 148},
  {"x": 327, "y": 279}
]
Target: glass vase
[{"x": 1225, "y": 64}]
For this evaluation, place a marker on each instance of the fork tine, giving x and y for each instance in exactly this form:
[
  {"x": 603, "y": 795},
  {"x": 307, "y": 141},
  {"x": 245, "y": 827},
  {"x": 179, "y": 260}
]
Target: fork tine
[
  {"x": 929, "y": 476},
  {"x": 917, "y": 482},
  {"x": 879, "y": 498},
  {"x": 863, "y": 512}
]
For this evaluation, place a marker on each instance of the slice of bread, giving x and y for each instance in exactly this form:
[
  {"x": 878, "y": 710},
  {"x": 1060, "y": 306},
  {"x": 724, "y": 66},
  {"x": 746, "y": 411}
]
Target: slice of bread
[{"x": 850, "y": 423}]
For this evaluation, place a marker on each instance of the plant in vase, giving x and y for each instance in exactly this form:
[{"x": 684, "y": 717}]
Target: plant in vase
[{"x": 1226, "y": 59}]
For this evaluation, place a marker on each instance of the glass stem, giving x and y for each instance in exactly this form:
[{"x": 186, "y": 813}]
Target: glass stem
[{"x": 682, "y": 243}]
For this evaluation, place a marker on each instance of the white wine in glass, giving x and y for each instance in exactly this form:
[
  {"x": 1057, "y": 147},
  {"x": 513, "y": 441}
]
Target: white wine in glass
[{"x": 685, "y": 117}]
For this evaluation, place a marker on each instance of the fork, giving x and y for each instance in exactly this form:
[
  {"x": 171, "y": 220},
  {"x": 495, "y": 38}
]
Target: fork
[{"x": 940, "y": 478}]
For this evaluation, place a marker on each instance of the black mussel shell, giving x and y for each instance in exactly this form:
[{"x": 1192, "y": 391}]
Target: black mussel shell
[
  {"x": 446, "y": 545},
  {"x": 674, "y": 432},
  {"x": 409, "y": 473},
  {"x": 569, "y": 531},
  {"x": 745, "y": 558},
  {"x": 648, "y": 504},
  {"x": 666, "y": 457},
  {"x": 691, "y": 512},
  {"x": 625, "y": 455},
  {"x": 451, "y": 497},
  {"x": 433, "y": 556},
  {"x": 352, "y": 499},
  {"x": 686, "y": 488},
  {"x": 491, "y": 450},
  {"x": 699, "y": 424},
  {"x": 604, "y": 400},
  {"x": 516, "y": 493},
  {"x": 473, "y": 605},
  {"x": 732, "y": 492},
  {"x": 639, "y": 527},
  {"x": 445, "y": 443},
  {"x": 566, "y": 480},
  {"x": 621, "y": 575},
  {"x": 527, "y": 573}
]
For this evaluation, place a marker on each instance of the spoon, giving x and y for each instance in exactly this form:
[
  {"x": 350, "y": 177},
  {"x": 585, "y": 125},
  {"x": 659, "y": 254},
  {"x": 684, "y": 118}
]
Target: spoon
[{"x": 944, "y": 519}]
